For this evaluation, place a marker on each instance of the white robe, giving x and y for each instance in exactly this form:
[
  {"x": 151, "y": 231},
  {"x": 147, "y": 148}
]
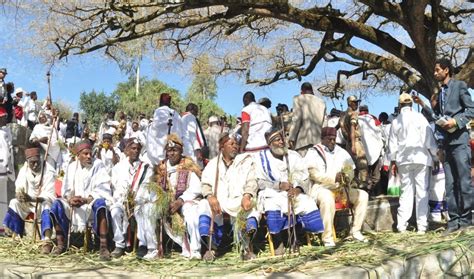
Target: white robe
[
  {"x": 372, "y": 137},
  {"x": 124, "y": 177},
  {"x": 85, "y": 182},
  {"x": 192, "y": 135},
  {"x": 42, "y": 130},
  {"x": 270, "y": 171},
  {"x": 158, "y": 132},
  {"x": 29, "y": 182}
]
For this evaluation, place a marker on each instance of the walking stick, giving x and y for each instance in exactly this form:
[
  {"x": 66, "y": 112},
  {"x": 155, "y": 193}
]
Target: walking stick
[
  {"x": 35, "y": 220},
  {"x": 216, "y": 183},
  {"x": 292, "y": 241}
]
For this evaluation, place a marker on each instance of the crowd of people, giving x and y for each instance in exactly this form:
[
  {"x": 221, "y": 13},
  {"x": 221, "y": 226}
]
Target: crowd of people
[{"x": 146, "y": 180}]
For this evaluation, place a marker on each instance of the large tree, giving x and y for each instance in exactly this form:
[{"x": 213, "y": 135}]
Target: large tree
[
  {"x": 96, "y": 106},
  {"x": 266, "y": 41}
]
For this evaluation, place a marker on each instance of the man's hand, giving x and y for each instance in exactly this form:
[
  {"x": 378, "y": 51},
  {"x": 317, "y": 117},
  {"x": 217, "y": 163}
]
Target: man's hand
[
  {"x": 435, "y": 166},
  {"x": 418, "y": 100},
  {"x": 214, "y": 204},
  {"x": 339, "y": 176},
  {"x": 393, "y": 168},
  {"x": 293, "y": 192},
  {"x": 23, "y": 197},
  {"x": 76, "y": 201},
  {"x": 451, "y": 123},
  {"x": 176, "y": 205},
  {"x": 246, "y": 202},
  {"x": 198, "y": 154},
  {"x": 285, "y": 186}
]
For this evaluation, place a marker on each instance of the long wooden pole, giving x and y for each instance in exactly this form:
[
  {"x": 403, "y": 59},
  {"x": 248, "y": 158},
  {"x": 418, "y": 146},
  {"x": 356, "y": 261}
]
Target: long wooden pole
[{"x": 216, "y": 183}]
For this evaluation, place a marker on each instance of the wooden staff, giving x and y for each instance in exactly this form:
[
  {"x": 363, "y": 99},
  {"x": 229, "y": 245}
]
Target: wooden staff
[
  {"x": 292, "y": 241},
  {"x": 43, "y": 166},
  {"x": 216, "y": 183}
]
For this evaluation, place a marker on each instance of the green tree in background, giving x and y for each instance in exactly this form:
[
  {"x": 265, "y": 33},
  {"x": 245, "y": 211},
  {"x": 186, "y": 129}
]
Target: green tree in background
[
  {"x": 95, "y": 106},
  {"x": 147, "y": 99}
]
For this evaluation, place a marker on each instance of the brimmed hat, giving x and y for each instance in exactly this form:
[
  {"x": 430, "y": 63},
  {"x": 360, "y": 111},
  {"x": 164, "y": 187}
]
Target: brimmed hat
[
  {"x": 19, "y": 90},
  {"x": 32, "y": 152},
  {"x": 352, "y": 99},
  {"x": 213, "y": 119},
  {"x": 3, "y": 70},
  {"x": 405, "y": 99}
]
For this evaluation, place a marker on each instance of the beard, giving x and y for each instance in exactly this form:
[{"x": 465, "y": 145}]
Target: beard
[{"x": 279, "y": 151}]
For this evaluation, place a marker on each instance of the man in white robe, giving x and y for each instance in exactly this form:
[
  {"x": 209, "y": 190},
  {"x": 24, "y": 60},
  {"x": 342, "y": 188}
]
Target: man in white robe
[
  {"x": 7, "y": 169},
  {"x": 180, "y": 175},
  {"x": 412, "y": 153},
  {"x": 281, "y": 174},
  {"x": 29, "y": 191},
  {"x": 256, "y": 120},
  {"x": 128, "y": 177},
  {"x": 108, "y": 153},
  {"x": 165, "y": 121},
  {"x": 86, "y": 196},
  {"x": 40, "y": 135},
  {"x": 236, "y": 187},
  {"x": 212, "y": 134},
  {"x": 193, "y": 136},
  {"x": 325, "y": 162}
]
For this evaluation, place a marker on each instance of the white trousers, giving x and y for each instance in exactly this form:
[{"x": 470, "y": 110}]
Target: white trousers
[
  {"x": 119, "y": 224},
  {"x": 146, "y": 225},
  {"x": 325, "y": 200},
  {"x": 414, "y": 180},
  {"x": 25, "y": 208}
]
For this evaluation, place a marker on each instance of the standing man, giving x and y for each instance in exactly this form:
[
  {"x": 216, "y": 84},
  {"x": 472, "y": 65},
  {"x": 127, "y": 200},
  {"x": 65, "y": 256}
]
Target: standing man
[
  {"x": 454, "y": 103},
  {"x": 165, "y": 121},
  {"x": 7, "y": 169},
  {"x": 371, "y": 136},
  {"x": 40, "y": 136},
  {"x": 6, "y": 89},
  {"x": 193, "y": 134},
  {"x": 256, "y": 120},
  {"x": 212, "y": 134},
  {"x": 31, "y": 110},
  {"x": 308, "y": 118},
  {"x": 349, "y": 125},
  {"x": 412, "y": 152}
]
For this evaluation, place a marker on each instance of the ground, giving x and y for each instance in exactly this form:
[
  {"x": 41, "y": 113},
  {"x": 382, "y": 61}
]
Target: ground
[{"x": 23, "y": 258}]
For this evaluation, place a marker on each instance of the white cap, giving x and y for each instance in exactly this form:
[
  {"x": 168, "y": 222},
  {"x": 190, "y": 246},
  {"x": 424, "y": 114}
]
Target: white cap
[
  {"x": 19, "y": 90},
  {"x": 213, "y": 119}
]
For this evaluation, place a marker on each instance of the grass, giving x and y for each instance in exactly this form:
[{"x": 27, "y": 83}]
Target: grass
[{"x": 381, "y": 248}]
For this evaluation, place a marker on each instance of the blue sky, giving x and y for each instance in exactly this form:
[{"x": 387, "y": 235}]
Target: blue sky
[{"x": 90, "y": 72}]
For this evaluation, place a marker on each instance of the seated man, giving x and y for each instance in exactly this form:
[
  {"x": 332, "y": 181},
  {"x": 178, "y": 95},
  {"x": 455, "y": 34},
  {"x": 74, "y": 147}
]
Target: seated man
[
  {"x": 180, "y": 177},
  {"x": 325, "y": 162},
  {"x": 128, "y": 176},
  {"x": 230, "y": 193},
  {"x": 29, "y": 191},
  {"x": 86, "y": 195},
  {"x": 282, "y": 175}
]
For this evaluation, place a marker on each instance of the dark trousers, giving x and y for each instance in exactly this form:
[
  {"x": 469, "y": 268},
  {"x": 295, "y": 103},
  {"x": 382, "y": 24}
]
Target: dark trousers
[
  {"x": 459, "y": 193},
  {"x": 31, "y": 124}
]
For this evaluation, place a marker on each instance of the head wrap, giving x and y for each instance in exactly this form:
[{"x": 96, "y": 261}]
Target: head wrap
[
  {"x": 328, "y": 131},
  {"x": 82, "y": 145},
  {"x": 131, "y": 141},
  {"x": 172, "y": 140},
  {"x": 271, "y": 135},
  {"x": 32, "y": 152},
  {"x": 107, "y": 136}
]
